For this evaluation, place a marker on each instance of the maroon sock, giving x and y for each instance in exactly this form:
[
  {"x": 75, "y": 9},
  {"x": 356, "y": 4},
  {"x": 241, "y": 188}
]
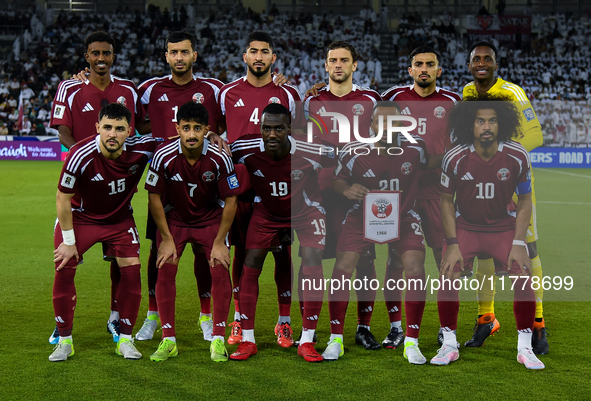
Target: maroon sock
[
  {"x": 237, "y": 265},
  {"x": 221, "y": 291},
  {"x": 64, "y": 300},
  {"x": 524, "y": 304},
  {"x": 366, "y": 297},
  {"x": 448, "y": 305},
  {"x": 414, "y": 304},
  {"x": 249, "y": 293},
  {"x": 392, "y": 295},
  {"x": 338, "y": 300},
  {"x": 203, "y": 276},
  {"x": 284, "y": 279},
  {"x": 166, "y": 296},
  {"x": 301, "y": 277},
  {"x": 152, "y": 278},
  {"x": 129, "y": 297},
  {"x": 115, "y": 278},
  {"x": 313, "y": 295}
]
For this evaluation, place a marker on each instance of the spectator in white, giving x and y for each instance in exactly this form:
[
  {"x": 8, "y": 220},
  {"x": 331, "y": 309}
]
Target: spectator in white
[
  {"x": 12, "y": 102},
  {"x": 16, "y": 48},
  {"x": 49, "y": 16},
  {"x": 378, "y": 71},
  {"x": 461, "y": 59},
  {"x": 26, "y": 128},
  {"x": 581, "y": 133},
  {"x": 27, "y": 38},
  {"x": 3, "y": 128},
  {"x": 27, "y": 92}
]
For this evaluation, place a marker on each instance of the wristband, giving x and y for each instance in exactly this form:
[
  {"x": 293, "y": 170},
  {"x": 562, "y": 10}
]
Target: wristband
[
  {"x": 451, "y": 241},
  {"x": 68, "y": 237},
  {"x": 518, "y": 242}
]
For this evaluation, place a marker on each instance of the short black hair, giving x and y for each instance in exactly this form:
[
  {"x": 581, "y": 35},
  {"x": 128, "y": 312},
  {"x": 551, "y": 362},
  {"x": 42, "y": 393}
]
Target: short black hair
[
  {"x": 462, "y": 117},
  {"x": 276, "y": 108},
  {"x": 341, "y": 44},
  {"x": 179, "y": 36},
  {"x": 386, "y": 104},
  {"x": 424, "y": 49},
  {"x": 99, "y": 36},
  {"x": 483, "y": 43},
  {"x": 192, "y": 111},
  {"x": 260, "y": 36},
  {"x": 115, "y": 111}
]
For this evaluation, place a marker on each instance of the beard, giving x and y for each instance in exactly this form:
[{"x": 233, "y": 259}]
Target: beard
[
  {"x": 110, "y": 149},
  {"x": 188, "y": 67},
  {"x": 258, "y": 72},
  {"x": 423, "y": 84},
  {"x": 486, "y": 143},
  {"x": 344, "y": 78}
]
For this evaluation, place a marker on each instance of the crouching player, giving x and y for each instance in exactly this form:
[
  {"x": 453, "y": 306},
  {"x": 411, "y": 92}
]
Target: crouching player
[
  {"x": 282, "y": 172},
  {"x": 483, "y": 170},
  {"x": 201, "y": 186},
  {"x": 103, "y": 171}
]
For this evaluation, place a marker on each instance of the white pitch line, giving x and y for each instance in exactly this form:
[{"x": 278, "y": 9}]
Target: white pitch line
[
  {"x": 562, "y": 172},
  {"x": 565, "y": 203}
]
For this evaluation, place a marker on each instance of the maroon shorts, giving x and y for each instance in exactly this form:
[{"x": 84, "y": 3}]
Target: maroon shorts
[
  {"x": 203, "y": 236},
  {"x": 119, "y": 240},
  {"x": 485, "y": 245},
  {"x": 352, "y": 239},
  {"x": 431, "y": 222},
  {"x": 264, "y": 233}
]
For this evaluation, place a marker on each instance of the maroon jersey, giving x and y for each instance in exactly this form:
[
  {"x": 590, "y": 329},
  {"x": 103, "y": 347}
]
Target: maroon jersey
[
  {"x": 484, "y": 188},
  {"x": 359, "y": 102},
  {"x": 77, "y": 105},
  {"x": 360, "y": 163},
  {"x": 196, "y": 192},
  {"x": 162, "y": 98},
  {"x": 432, "y": 125},
  {"x": 105, "y": 187},
  {"x": 285, "y": 188},
  {"x": 242, "y": 105}
]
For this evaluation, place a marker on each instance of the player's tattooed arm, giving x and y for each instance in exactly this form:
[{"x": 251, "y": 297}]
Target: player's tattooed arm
[
  {"x": 167, "y": 249},
  {"x": 313, "y": 91},
  {"x": 519, "y": 252},
  {"x": 453, "y": 254},
  {"x": 354, "y": 192},
  {"x": 219, "y": 250},
  {"x": 64, "y": 252},
  {"x": 65, "y": 135}
]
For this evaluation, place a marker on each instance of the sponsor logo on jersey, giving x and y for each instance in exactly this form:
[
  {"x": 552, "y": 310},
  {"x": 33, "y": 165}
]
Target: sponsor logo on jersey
[
  {"x": 97, "y": 177},
  {"x": 198, "y": 98},
  {"x": 467, "y": 177},
  {"x": 163, "y": 98},
  {"x": 406, "y": 168},
  {"x": 233, "y": 181},
  {"x": 59, "y": 111},
  {"x": 239, "y": 103},
  {"x": 208, "y": 176},
  {"x": 296, "y": 175},
  {"x": 405, "y": 112},
  {"x": 152, "y": 178},
  {"x": 439, "y": 112},
  {"x": 381, "y": 208},
  {"x": 503, "y": 174},
  {"x": 68, "y": 181},
  {"x": 259, "y": 173},
  {"x": 358, "y": 109},
  {"x": 529, "y": 114},
  {"x": 87, "y": 107},
  {"x": 369, "y": 174},
  {"x": 177, "y": 177},
  {"x": 122, "y": 100},
  {"x": 133, "y": 169},
  {"x": 444, "y": 180},
  {"x": 274, "y": 100}
]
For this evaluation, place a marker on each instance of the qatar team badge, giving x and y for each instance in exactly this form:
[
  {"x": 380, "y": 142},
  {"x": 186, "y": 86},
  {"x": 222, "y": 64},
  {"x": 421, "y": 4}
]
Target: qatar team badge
[
  {"x": 406, "y": 168},
  {"x": 122, "y": 100},
  {"x": 439, "y": 112},
  {"x": 381, "y": 216},
  {"x": 198, "y": 98},
  {"x": 358, "y": 109},
  {"x": 208, "y": 176},
  {"x": 503, "y": 174},
  {"x": 133, "y": 169},
  {"x": 296, "y": 175},
  {"x": 274, "y": 100}
]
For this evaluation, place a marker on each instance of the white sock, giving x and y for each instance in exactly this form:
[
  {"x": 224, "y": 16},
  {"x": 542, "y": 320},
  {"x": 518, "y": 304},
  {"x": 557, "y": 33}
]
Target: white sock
[
  {"x": 333, "y": 336},
  {"x": 237, "y": 316},
  {"x": 218, "y": 338},
  {"x": 248, "y": 335},
  {"x": 523, "y": 340},
  {"x": 307, "y": 336},
  {"x": 204, "y": 314},
  {"x": 411, "y": 341},
  {"x": 128, "y": 336},
  {"x": 397, "y": 324},
  {"x": 284, "y": 319},
  {"x": 152, "y": 312},
  {"x": 65, "y": 338},
  {"x": 364, "y": 326},
  {"x": 173, "y": 339},
  {"x": 449, "y": 338},
  {"x": 114, "y": 315}
]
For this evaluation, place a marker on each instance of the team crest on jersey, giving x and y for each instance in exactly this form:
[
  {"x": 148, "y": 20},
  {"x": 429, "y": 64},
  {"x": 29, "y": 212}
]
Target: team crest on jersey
[
  {"x": 274, "y": 100},
  {"x": 208, "y": 176},
  {"x": 406, "y": 168},
  {"x": 122, "y": 100},
  {"x": 439, "y": 112},
  {"x": 133, "y": 169},
  {"x": 68, "y": 181},
  {"x": 503, "y": 174},
  {"x": 198, "y": 98},
  {"x": 358, "y": 109},
  {"x": 297, "y": 175},
  {"x": 381, "y": 208}
]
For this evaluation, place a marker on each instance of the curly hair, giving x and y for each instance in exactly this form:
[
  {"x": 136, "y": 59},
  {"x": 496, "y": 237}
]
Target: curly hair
[{"x": 461, "y": 120}]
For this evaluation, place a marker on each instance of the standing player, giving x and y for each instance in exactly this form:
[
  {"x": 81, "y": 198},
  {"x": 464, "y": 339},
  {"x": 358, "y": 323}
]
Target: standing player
[
  {"x": 103, "y": 171},
  {"x": 370, "y": 167},
  {"x": 282, "y": 172},
  {"x": 241, "y": 106},
  {"x": 76, "y": 110},
  {"x": 483, "y": 171},
  {"x": 196, "y": 178},
  {"x": 430, "y": 105},
  {"x": 342, "y": 96},
  {"x": 482, "y": 65}
]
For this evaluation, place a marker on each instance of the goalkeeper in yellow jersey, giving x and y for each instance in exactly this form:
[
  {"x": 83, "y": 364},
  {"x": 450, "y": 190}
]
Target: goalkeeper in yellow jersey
[{"x": 482, "y": 65}]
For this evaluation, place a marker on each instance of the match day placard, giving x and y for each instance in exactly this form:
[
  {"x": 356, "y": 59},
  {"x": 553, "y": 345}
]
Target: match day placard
[{"x": 381, "y": 216}]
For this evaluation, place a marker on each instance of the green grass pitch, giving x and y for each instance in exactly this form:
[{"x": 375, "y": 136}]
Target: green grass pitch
[{"x": 27, "y": 217}]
